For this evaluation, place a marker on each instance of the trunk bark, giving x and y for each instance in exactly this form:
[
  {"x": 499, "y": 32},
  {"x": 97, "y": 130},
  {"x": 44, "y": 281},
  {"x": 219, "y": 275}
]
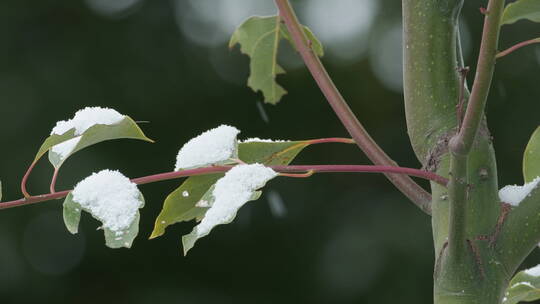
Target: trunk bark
[{"x": 432, "y": 86}]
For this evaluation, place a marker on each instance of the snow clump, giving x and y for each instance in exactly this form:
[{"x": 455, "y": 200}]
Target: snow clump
[
  {"x": 110, "y": 197},
  {"x": 211, "y": 147},
  {"x": 231, "y": 192},
  {"x": 87, "y": 118},
  {"x": 514, "y": 194}
]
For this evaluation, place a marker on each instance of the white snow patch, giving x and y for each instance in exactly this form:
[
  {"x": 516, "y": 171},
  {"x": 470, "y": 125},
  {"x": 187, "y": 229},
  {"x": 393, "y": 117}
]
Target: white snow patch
[
  {"x": 65, "y": 148},
  {"x": 514, "y": 194},
  {"x": 202, "y": 204},
  {"x": 528, "y": 284},
  {"x": 256, "y": 139},
  {"x": 211, "y": 147},
  {"x": 231, "y": 192},
  {"x": 110, "y": 197},
  {"x": 86, "y": 118},
  {"x": 534, "y": 271}
]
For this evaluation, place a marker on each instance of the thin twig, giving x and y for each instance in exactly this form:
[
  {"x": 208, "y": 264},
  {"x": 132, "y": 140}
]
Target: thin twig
[
  {"x": 460, "y": 145},
  {"x": 463, "y": 141},
  {"x": 404, "y": 183},
  {"x": 516, "y": 47},
  {"x": 219, "y": 169},
  {"x": 463, "y": 71}
]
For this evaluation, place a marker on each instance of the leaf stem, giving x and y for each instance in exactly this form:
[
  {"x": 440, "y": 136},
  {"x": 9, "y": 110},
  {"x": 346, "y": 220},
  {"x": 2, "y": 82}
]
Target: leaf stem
[
  {"x": 516, "y": 47},
  {"x": 53, "y": 180},
  {"x": 298, "y": 175},
  {"x": 331, "y": 140},
  {"x": 310, "y": 169},
  {"x": 25, "y": 179},
  {"x": 404, "y": 183}
]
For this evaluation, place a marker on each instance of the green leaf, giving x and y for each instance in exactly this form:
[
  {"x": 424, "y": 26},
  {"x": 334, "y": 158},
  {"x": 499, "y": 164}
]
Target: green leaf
[
  {"x": 179, "y": 208},
  {"x": 0, "y": 191},
  {"x": 531, "y": 157},
  {"x": 72, "y": 214},
  {"x": 113, "y": 239},
  {"x": 181, "y": 204},
  {"x": 271, "y": 153},
  {"x": 259, "y": 38},
  {"x": 521, "y": 9},
  {"x": 127, "y": 128},
  {"x": 523, "y": 287}
]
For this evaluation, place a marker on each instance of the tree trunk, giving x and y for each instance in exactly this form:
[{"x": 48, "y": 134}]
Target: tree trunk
[{"x": 432, "y": 86}]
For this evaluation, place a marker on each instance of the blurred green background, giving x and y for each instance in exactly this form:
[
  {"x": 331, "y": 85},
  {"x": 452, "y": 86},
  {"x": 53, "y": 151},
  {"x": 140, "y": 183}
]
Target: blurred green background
[{"x": 332, "y": 238}]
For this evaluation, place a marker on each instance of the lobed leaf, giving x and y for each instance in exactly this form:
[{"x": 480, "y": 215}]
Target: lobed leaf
[
  {"x": 113, "y": 239},
  {"x": 521, "y": 9},
  {"x": 259, "y": 38},
  {"x": 181, "y": 208},
  {"x": 523, "y": 287},
  {"x": 531, "y": 157}
]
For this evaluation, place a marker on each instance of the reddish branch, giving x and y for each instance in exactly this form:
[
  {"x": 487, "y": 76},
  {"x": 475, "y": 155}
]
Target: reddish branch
[
  {"x": 309, "y": 169},
  {"x": 517, "y": 46},
  {"x": 56, "y": 170},
  {"x": 404, "y": 183}
]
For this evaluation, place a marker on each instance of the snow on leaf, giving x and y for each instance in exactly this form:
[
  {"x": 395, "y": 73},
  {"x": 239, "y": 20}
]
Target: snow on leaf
[
  {"x": 237, "y": 187},
  {"x": 86, "y": 118},
  {"x": 534, "y": 271},
  {"x": 179, "y": 208},
  {"x": 111, "y": 198},
  {"x": 64, "y": 149},
  {"x": 525, "y": 286},
  {"x": 259, "y": 38},
  {"x": 213, "y": 147},
  {"x": 256, "y": 139},
  {"x": 514, "y": 194},
  {"x": 89, "y": 126}
]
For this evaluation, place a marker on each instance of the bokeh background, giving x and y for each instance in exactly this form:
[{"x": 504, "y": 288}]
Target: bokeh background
[{"x": 332, "y": 238}]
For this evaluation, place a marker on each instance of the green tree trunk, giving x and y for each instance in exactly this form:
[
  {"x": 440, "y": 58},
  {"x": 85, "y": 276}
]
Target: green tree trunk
[{"x": 432, "y": 84}]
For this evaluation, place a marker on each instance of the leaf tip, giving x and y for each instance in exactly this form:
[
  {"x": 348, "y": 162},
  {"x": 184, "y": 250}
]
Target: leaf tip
[
  {"x": 156, "y": 233},
  {"x": 187, "y": 243}
]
